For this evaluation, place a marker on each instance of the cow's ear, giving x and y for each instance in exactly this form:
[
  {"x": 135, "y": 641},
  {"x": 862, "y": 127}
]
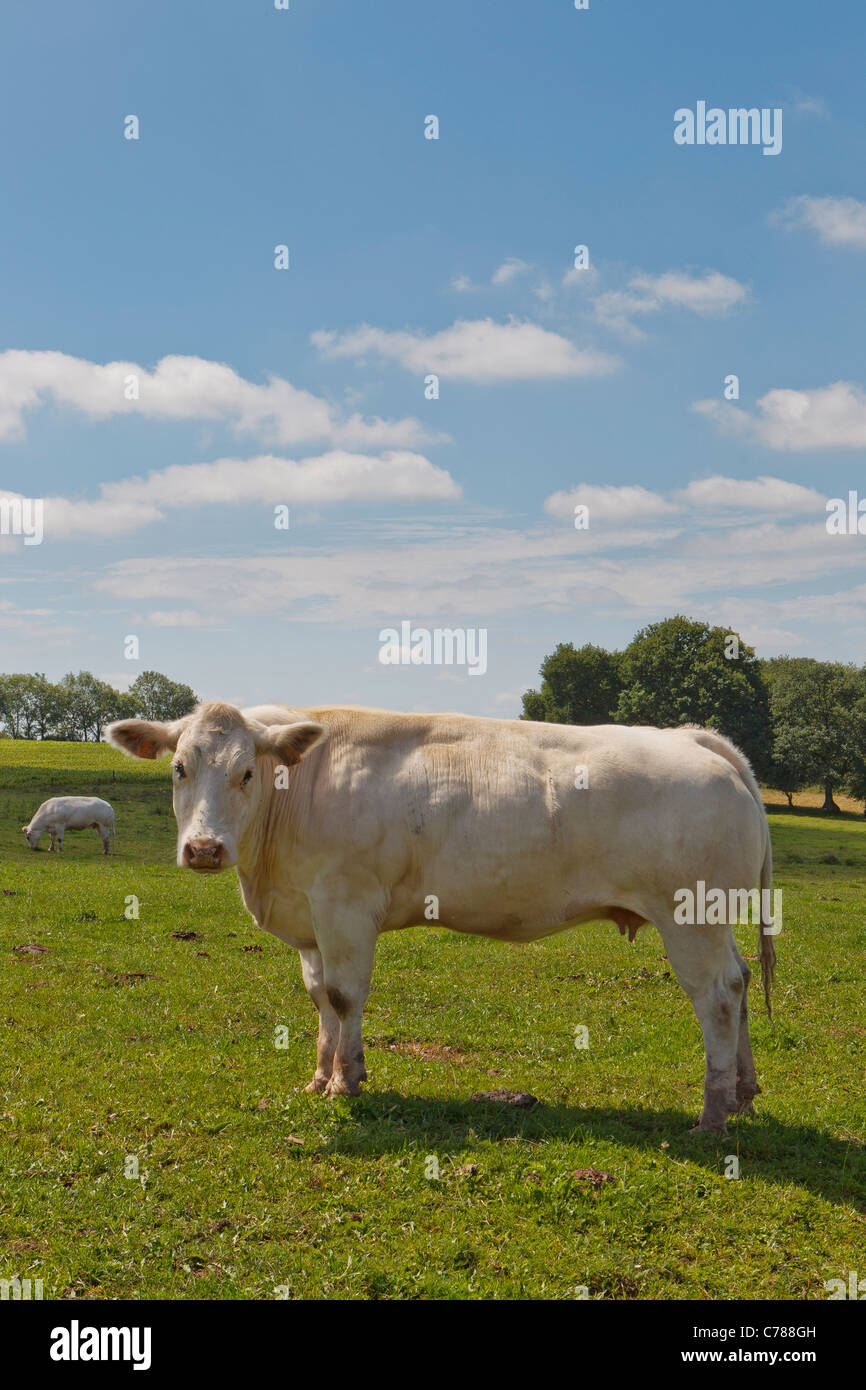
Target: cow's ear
[
  {"x": 289, "y": 741},
  {"x": 145, "y": 738}
]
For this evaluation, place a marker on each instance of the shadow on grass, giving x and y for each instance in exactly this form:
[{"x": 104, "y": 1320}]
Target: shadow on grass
[
  {"x": 387, "y": 1122},
  {"x": 814, "y": 813}
]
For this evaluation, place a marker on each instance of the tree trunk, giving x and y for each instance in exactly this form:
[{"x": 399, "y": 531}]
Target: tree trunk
[
  {"x": 829, "y": 803},
  {"x": 790, "y": 797}
]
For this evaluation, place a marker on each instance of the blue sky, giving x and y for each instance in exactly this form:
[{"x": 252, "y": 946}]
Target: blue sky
[{"x": 601, "y": 387}]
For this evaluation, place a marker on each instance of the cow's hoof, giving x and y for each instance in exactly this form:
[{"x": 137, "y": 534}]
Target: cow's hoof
[
  {"x": 746, "y": 1091},
  {"x": 316, "y": 1086},
  {"x": 709, "y": 1127},
  {"x": 745, "y": 1095},
  {"x": 342, "y": 1088}
]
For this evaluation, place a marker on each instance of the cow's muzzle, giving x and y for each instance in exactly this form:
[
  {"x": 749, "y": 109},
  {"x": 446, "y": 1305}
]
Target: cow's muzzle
[{"x": 204, "y": 854}]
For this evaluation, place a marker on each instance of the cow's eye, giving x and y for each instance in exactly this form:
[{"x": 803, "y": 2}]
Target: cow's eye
[
  {"x": 179, "y": 770},
  {"x": 246, "y": 777}
]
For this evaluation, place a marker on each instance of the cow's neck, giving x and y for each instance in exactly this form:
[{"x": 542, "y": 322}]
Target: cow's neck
[{"x": 273, "y": 837}]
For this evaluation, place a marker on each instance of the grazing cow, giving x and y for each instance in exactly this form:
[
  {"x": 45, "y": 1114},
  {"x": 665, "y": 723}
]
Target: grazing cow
[
  {"x": 344, "y": 823},
  {"x": 63, "y": 813}
]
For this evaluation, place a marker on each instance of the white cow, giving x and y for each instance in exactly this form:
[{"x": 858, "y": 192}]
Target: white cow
[
  {"x": 345, "y": 823},
  {"x": 62, "y": 813}
]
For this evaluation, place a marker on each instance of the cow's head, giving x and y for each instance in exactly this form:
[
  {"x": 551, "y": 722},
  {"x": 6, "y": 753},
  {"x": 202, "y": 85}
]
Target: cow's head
[
  {"x": 215, "y": 773},
  {"x": 32, "y": 836}
]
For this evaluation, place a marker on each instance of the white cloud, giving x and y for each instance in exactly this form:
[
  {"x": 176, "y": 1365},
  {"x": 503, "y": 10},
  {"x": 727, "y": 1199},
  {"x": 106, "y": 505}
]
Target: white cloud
[
  {"x": 750, "y": 553},
  {"x": 638, "y": 573},
  {"x": 775, "y": 495},
  {"x": 504, "y": 274},
  {"x": 480, "y": 351},
  {"x": 182, "y": 617},
  {"x": 30, "y": 624},
  {"x": 132, "y": 503},
  {"x": 777, "y": 622},
  {"x": 717, "y": 494},
  {"x": 334, "y": 477},
  {"x": 186, "y": 388},
  {"x": 587, "y": 278},
  {"x": 837, "y": 221},
  {"x": 65, "y": 518},
  {"x": 829, "y": 417},
  {"x": 509, "y": 270},
  {"x": 617, "y": 504},
  {"x": 709, "y": 295},
  {"x": 544, "y": 292},
  {"x": 712, "y": 293},
  {"x": 744, "y": 552},
  {"x": 811, "y": 106}
]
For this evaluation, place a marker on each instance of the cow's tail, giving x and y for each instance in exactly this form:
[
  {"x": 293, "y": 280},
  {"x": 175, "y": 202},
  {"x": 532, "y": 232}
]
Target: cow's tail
[
  {"x": 717, "y": 743},
  {"x": 768, "y": 950}
]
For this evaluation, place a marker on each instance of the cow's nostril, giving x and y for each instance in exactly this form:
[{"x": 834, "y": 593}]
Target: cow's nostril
[{"x": 203, "y": 852}]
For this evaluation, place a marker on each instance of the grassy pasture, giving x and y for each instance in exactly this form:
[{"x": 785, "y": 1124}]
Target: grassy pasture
[{"x": 121, "y": 1041}]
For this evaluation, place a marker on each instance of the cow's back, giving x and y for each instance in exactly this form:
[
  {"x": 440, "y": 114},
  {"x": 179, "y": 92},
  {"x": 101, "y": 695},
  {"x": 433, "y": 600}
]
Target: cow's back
[
  {"x": 75, "y": 812},
  {"x": 515, "y": 826}
]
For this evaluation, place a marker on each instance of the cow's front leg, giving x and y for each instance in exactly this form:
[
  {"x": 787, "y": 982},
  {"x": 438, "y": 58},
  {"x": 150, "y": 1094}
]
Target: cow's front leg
[
  {"x": 329, "y": 1023},
  {"x": 346, "y": 936},
  {"x": 51, "y": 839}
]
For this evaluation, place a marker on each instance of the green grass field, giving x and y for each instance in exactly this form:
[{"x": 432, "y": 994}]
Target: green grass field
[{"x": 124, "y": 1043}]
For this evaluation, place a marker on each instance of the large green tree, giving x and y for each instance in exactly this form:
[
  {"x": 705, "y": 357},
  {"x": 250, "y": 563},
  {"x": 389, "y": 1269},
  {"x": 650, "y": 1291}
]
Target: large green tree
[
  {"x": 855, "y": 783},
  {"x": 45, "y": 707},
  {"x": 680, "y": 671},
  {"x": 579, "y": 685},
  {"x": 91, "y": 704},
  {"x": 157, "y": 697},
  {"x": 795, "y": 759},
  {"x": 14, "y": 711},
  {"x": 80, "y": 705},
  {"x": 819, "y": 703}
]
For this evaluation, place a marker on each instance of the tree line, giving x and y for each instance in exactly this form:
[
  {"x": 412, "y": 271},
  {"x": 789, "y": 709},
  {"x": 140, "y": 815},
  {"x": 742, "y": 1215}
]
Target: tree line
[
  {"x": 801, "y": 722},
  {"x": 78, "y": 707}
]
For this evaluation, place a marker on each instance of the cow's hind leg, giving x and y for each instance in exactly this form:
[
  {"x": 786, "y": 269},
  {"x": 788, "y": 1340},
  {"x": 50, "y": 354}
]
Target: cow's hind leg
[
  {"x": 329, "y": 1024},
  {"x": 705, "y": 961}
]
